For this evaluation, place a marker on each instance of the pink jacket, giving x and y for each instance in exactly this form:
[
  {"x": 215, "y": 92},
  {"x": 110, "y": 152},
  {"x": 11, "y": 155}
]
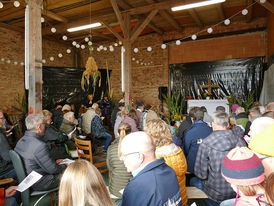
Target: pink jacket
[{"x": 131, "y": 122}]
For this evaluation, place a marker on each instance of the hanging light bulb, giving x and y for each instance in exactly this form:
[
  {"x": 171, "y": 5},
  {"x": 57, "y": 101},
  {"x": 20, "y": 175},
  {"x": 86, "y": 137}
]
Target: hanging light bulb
[
  {"x": 194, "y": 37},
  {"x": 149, "y": 49},
  {"x": 89, "y": 43},
  {"x": 227, "y": 22},
  {"x": 98, "y": 49},
  {"x": 1, "y": 5},
  {"x": 22, "y": 63},
  {"x": 120, "y": 43},
  {"x": 77, "y": 46},
  {"x": 60, "y": 55},
  {"x": 163, "y": 46},
  {"x": 111, "y": 48},
  {"x": 43, "y": 61},
  {"x": 101, "y": 47},
  {"x": 74, "y": 43},
  {"x": 64, "y": 37},
  {"x": 115, "y": 44},
  {"x": 8, "y": 61},
  {"x": 86, "y": 39},
  {"x": 209, "y": 30},
  {"x": 51, "y": 59},
  {"x": 137, "y": 62},
  {"x": 42, "y": 19},
  {"x": 83, "y": 46},
  {"x": 178, "y": 42},
  {"x": 244, "y": 12},
  {"x": 68, "y": 51},
  {"x": 16, "y": 3},
  {"x": 136, "y": 50},
  {"x": 133, "y": 59},
  {"x": 105, "y": 48},
  {"x": 2, "y": 59},
  {"x": 15, "y": 63},
  {"x": 262, "y": 1},
  {"x": 53, "y": 30}
]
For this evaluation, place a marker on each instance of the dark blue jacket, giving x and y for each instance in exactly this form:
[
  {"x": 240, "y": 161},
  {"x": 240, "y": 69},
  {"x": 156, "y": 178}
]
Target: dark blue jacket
[
  {"x": 198, "y": 131},
  {"x": 155, "y": 185},
  {"x": 97, "y": 128}
]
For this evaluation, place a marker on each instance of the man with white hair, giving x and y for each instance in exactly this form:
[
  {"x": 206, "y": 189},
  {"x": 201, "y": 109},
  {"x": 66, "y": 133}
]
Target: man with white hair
[
  {"x": 35, "y": 155},
  {"x": 87, "y": 117},
  {"x": 259, "y": 125},
  {"x": 211, "y": 153},
  {"x": 153, "y": 182}
]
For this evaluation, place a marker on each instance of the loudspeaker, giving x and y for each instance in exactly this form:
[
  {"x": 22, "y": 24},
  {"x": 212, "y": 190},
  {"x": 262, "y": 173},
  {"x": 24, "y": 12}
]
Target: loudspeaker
[{"x": 162, "y": 92}]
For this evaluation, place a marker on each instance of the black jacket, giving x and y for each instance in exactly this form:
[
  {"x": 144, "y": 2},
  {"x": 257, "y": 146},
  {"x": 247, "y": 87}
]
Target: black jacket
[
  {"x": 5, "y": 162},
  {"x": 35, "y": 155}
]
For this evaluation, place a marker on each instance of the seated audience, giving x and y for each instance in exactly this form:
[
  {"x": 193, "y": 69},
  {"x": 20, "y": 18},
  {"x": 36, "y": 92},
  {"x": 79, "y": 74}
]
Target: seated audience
[
  {"x": 211, "y": 153},
  {"x": 184, "y": 126},
  {"x": 153, "y": 182},
  {"x": 220, "y": 109},
  {"x": 262, "y": 144},
  {"x": 69, "y": 128},
  {"x": 87, "y": 117},
  {"x": 119, "y": 177},
  {"x": 130, "y": 117},
  {"x": 269, "y": 107},
  {"x": 194, "y": 136},
  {"x": 146, "y": 116},
  {"x": 105, "y": 106},
  {"x": 57, "y": 116},
  {"x": 174, "y": 157},
  {"x": 98, "y": 130},
  {"x": 54, "y": 139},
  {"x": 268, "y": 114},
  {"x": 118, "y": 121},
  {"x": 35, "y": 155},
  {"x": 245, "y": 172},
  {"x": 6, "y": 167},
  {"x": 6, "y": 196},
  {"x": 66, "y": 108},
  {"x": 83, "y": 185},
  {"x": 254, "y": 113},
  {"x": 139, "y": 110},
  {"x": 241, "y": 117},
  {"x": 118, "y": 107}
]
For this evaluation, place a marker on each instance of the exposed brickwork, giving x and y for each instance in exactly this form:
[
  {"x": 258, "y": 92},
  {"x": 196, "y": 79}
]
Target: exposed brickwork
[{"x": 270, "y": 33}]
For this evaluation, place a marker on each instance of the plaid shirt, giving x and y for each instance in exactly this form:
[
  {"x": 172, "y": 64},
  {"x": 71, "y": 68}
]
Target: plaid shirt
[{"x": 210, "y": 156}]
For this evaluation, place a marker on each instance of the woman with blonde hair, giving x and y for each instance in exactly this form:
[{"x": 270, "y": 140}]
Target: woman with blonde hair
[
  {"x": 119, "y": 176},
  {"x": 160, "y": 132},
  {"x": 83, "y": 185}
]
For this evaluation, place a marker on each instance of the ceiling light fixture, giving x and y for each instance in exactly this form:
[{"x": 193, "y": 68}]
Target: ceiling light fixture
[
  {"x": 84, "y": 27},
  {"x": 198, "y": 4}
]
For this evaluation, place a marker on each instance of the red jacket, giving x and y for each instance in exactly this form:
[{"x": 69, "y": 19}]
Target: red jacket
[{"x": 2, "y": 196}]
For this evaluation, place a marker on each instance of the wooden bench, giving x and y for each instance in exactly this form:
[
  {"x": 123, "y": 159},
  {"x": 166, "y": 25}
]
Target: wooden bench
[{"x": 195, "y": 193}]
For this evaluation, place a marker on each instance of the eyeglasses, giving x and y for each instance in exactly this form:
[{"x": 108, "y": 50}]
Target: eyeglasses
[
  {"x": 123, "y": 156},
  {"x": 262, "y": 201}
]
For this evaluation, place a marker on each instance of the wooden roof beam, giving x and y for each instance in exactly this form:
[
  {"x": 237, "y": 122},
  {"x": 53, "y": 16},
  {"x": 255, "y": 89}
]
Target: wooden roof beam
[
  {"x": 119, "y": 16},
  {"x": 195, "y": 16},
  {"x": 54, "y": 16},
  {"x": 267, "y": 5},
  {"x": 250, "y": 10},
  {"x": 143, "y": 25},
  {"x": 220, "y": 11},
  {"x": 118, "y": 36},
  {"x": 11, "y": 27}
]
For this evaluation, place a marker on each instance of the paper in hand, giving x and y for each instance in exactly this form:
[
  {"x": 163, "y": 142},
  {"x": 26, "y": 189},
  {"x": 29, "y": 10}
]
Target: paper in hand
[
  {"x": 67, "y": 161},
  {"x": 32, "y": 178}
]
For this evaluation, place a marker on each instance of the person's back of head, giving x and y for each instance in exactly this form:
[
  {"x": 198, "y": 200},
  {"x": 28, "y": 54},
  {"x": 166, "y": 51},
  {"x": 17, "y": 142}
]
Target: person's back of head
[
  {"x": 269, "y": 107},
  {"x": 159, "y": 131},
  {"x": 239, "y": 110},
  {"x": 268, "y": 114},
  {"x": 69, "y": 116},
  {"x": 203, "y": 109},
  {"x": 81, "y": 185},
  {"x": 47, "y": 116},
  {"x": 220, "y": 120},
  {"x": 123, "y": 130},
  {"x": 33, "y": 121},
  {"x": 269, "y": 189},
  {"x": 132, "y": 114},
  {"x": 220, "y": 109},
  {"x": 248, "y": 179},
  {"x": 98, "y": 111},
  {"x": 255, "y": 111},
  {"x": 259, "y": 125},
  {"x": 94, "y": 106},
  {"x": 196, "y": 114}
]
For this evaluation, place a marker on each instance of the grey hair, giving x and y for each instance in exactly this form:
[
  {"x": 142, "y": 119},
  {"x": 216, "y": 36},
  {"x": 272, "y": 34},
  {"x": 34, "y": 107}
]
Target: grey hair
[
  {"x": 68, "y": 115},
  {"x": 34, "y": 120},
  {"x": 221, "y": 119}
]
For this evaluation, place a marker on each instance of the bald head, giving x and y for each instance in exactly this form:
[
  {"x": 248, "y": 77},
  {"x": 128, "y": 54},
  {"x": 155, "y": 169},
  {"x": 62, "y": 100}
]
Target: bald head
[{"x": 259, "y": 125}]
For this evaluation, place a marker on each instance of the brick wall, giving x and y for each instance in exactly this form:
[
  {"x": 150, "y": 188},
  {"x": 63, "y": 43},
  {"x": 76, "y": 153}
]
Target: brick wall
[{"x": 270, "y": 34}]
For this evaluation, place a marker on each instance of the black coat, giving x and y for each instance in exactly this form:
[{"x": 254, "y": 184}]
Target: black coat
[{"x": 5, "y": 162}]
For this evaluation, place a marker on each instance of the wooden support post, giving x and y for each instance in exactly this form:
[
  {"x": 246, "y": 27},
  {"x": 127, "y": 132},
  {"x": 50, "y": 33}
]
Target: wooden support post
[
  {"x": 127, "y": 71},
  {"x": 33, "y": 55}
]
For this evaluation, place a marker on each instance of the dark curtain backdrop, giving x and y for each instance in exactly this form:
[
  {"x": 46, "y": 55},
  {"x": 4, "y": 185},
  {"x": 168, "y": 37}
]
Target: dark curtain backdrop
[
  {"x": 62, "y": 85},
  {"x": 237, "y": 76}
]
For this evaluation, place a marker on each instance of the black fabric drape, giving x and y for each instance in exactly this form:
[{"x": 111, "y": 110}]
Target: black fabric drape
[
  {"x": 63, "y": 85},
  {"x": 237, "y": 76}
]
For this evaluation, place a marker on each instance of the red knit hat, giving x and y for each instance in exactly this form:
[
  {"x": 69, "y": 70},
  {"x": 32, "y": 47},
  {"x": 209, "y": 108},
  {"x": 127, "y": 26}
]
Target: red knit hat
[{"x": 242, "y": 167}]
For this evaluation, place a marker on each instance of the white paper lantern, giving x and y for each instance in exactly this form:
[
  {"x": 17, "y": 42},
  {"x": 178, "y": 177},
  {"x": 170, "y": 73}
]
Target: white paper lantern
[
  {"x": 89, "y": 43},
  {"x": 163, "y": 46},
  {"x": 83, "y": 46},
  {"x": 101, "y": 47},
  {"x": 2, "y": 59},
  {"x": 22, "y": 63},
  {"x": 178, "y": 42},
  {"x": 111, "y": 48},
  {"x": 262, "y": 1},
  {"x": 209, "y": 30},
  {"x": 133, "y": 59},
  {"x": 42, "y": 19},
  {"x": 148, "y": 63},
  {"x": 65, "y": 37},
  {"x": 194, "y": 37},
  {"x": 68, "y": 51},
  {"x": 74, "y": 43},
  {"x": 15, "y": 63},
  {"x": 98, "y": 49},
  {"x": 43, "y": 61},
  {"x": 1, "y": 5},
  {"x": 105, "y": 48},
  {"x": 51, "y": 59},
  {"x": 86, "y": 39},
  {"x": 16, "y": 3},
  {"x": 115, "y": 44},
  {"x": 145, "y": 64},
  {"x": 77, "y": 46},
  {"x": 137, "y": 62},
  {"x": 53, "y": 30},
  {"x": 244, "y": 12},
  {"x": 60, "y": 55},
  {"x": 142, "y": 63},
  {"x": 136, "y": 50},
  {"x": 149, "y": 49},
  {"x": 8, "y": 61},
  {"x": 120, "y": 43},
  {"x": 227, "y": 22}
]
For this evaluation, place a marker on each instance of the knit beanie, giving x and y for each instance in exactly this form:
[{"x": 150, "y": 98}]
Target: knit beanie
[
  {"x": 234, "y": 107},
  {"x": 263, "y": 143},
  {"x": 242, "y": 167}
]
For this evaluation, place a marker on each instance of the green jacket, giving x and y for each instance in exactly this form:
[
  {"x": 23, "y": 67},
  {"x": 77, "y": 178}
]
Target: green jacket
[
  {"x": 68, "y": 127},
  {"x": 119, "y": 177}
]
